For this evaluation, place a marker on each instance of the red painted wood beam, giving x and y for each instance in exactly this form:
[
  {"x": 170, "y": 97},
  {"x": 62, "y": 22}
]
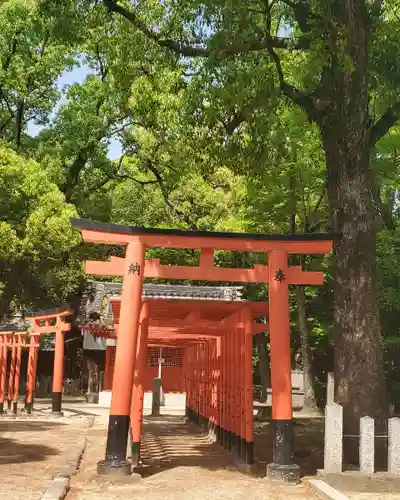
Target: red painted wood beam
[
  {"x": 206, "y": 271},
  {"x": 249, "y": 244},
  {"x": 51, "y": 316}
]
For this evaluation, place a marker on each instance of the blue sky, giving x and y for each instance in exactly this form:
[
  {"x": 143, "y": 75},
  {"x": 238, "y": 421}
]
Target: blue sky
[{"x": 77, "y": 75}]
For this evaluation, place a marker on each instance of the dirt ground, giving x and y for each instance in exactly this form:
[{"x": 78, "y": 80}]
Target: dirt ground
[
  {"x": 355, "y": 486},
  {"x": 31, "y": 452},
  {"x": 181, "y": 462},
  {"x": 182, "y": 465}
]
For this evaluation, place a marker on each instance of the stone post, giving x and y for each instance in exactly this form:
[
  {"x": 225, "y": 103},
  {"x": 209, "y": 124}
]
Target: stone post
[
  {"x": 394, "y": 446},
  {"x": 367, "y": 445},
  {"x": 333, "y": 452},
  {"x": 156, "y": 401},
  {"x": 330, "y": 389}
]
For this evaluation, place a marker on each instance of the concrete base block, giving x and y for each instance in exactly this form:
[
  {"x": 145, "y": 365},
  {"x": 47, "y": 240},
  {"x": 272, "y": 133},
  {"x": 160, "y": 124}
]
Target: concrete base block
[
  {"x": 66, "y": 471},
  {"x": 57, "y": 490},
  {"x": 324, "y": 491},
  {"x": 113, "y": 469},
  {"x": 92, "y": 397},
  {"x": 283, "y": 473},
  {"x": 105, "y": 398},
  {"x": 131, "y": 478},
  {"x": 246, "y": 468},
  {"x": 57, "y": 414}
]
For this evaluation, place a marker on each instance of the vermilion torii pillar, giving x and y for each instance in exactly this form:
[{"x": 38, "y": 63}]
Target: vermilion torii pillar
[
  {"x": 279, "y": 323},
  {"x": 12, "y": 371},
  {"x": 17, "y": 373},
  {"x": 3, "y": 369},
  {"x": 278, "y": 276},
  {"x": 31, "y": 372},
  {"x": 138, "y": 386},
  {"x": 131, "y": 303}
]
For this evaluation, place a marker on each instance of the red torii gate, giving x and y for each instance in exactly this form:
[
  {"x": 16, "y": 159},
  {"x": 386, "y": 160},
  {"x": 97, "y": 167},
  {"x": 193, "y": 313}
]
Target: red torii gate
[
  {"x": 193, "y": 324},
  {"x": 134, "y": 268},
  {"x": 16, "y": 340},
  {"x": 190, "y": 324},
  {"x": 53, "y": 321}
]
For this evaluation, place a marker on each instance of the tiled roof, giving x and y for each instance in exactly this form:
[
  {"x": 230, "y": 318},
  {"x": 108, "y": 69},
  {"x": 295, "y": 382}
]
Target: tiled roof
[
  {"x": 95, "y": 305},
  {"x": 14, "y": 323}
]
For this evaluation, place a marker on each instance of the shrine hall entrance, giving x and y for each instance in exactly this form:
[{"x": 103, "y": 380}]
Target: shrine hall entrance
[{"x": 216, "y": 337}]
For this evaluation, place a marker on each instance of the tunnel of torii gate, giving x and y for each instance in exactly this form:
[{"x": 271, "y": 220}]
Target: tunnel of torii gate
[
  {"x": 25, "y": 334},
  {"x": 217, "y": 363},
  {"x": 211, "y": 346}
]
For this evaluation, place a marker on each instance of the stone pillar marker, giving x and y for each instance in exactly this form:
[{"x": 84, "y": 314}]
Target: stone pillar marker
[
  {"x": 156, "y": 400},
  {"x": 330, "y": 389},
  {"x": 367, "y": 445},
  {"x": 394, "y": 446},
  {"x": 333, "y": 452}
]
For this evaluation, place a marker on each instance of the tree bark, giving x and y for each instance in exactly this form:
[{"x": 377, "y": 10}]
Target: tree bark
[
  {"x": 310, "y": 400},
  {"x": 358, "y": 362},
  {"x": 263, "y": 366},
  {"x": 345, "y": 127},
  {"x": 92, "y": 367}
]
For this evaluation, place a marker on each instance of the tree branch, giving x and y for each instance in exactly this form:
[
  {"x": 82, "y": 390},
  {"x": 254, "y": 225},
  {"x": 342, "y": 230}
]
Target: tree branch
[
  {"x": 314, "y": 227},
  {"x": 168, "y": 202},
  {"x": 385, "y": 123},
  {"x": 242, "y": 115},
  {"x": 7, "y": 61},
  {"x": 320, "y": 199},
  {"x": 115, "y": 176},
  {"x": 302, "y": 13},
  {"x": 4, "y": 98},
  {"x": 103, "y": 68},
  {"x": 187, "y": 50},
  {"x": 118, "y": 177},
  {"x": 304, "y": 101}
]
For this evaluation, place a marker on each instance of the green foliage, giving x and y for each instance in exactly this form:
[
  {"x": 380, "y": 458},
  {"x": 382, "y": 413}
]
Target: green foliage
[
  {"x": 206, "y": 143},
  {"x": 32, "y": 57},
  {"x": 36, "y": 234}
]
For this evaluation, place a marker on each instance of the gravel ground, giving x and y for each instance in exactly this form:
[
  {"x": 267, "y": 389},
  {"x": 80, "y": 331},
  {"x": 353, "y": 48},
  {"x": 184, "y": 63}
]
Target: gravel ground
[
  {"x": 31, "y": 451},
  {"x": 183, "y": 465}
]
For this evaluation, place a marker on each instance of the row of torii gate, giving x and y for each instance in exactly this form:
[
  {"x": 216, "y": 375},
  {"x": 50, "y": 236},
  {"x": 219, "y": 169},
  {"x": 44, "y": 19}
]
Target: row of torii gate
[
  {"x": 217, "y": 337},
  {"x": 14, "y": 338}
]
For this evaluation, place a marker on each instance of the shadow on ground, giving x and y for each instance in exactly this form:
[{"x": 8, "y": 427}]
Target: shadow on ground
[
  {"x": 27, "y": 426},
  {"x": 168, "y": 442},
  {"x": 81, "y": 413},
  {"x": 15, "y": 452},
  {"x": 67, "y": 400}
]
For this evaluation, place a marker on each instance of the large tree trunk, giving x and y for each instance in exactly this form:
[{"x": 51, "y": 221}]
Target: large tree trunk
[
  {"x": 358, "y": 362},
  {"x": 310, "y": 400},
  {"x": 345, "y": 127}
]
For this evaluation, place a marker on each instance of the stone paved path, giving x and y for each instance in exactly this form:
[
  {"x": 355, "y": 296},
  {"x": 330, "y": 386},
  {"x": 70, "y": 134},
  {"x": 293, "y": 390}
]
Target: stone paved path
[
  {"x": 31, "y": 452},
  {"x": 183, "y": 466}
]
